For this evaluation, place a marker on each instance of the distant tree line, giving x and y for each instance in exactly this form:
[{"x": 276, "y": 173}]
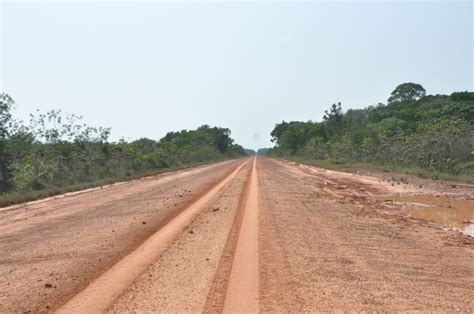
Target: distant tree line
[
  {"x": 56, "y": 149},
  {"x": 433, "y": 132}
]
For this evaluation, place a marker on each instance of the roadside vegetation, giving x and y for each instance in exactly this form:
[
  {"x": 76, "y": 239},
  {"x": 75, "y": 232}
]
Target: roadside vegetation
[
  {"x": 425, "y": 135},
  {"x": 56, "y": 153}
]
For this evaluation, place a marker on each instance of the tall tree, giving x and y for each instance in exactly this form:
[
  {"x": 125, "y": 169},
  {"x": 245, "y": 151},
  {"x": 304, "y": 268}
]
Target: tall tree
[
  {"x": 333, "y": 118},
  {"x": 278, "y": 131},
  {"x": 334, "y": 113},
  {"x": 407, "y": 92},
  {"x": 6, "y": 104}
]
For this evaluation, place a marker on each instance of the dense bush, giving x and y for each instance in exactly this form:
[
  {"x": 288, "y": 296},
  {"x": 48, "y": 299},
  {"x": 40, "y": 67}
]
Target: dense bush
[
  {"x": 57, "y": 150},
  {"x": 434, "y": 132}
]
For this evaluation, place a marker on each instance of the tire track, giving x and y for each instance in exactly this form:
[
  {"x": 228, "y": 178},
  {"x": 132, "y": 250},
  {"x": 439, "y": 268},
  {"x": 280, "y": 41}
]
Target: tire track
[
  {"x": 216, "y": 296},
  {"x": 101, "y": 293},
  {"x": 242, "y": 290}
]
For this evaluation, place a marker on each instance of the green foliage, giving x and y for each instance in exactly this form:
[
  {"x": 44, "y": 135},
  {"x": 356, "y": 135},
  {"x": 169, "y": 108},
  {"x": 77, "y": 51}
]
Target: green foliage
[
  {"x": 432, "y": 132},
  {"x": 407, "y": 92},
  {"x": 294, "y": 135},
  {"x": 263, "y": 151},
  {"x": 462, "y": 96},
  {"x": 250, "y": 152},
  {"x": 6, "y": 105},
  {"x": 58, "y": 150},
  {"x": 333, "y": 118}
]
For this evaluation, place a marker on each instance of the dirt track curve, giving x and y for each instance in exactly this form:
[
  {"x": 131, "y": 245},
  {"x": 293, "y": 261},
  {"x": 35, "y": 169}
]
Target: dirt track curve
[{"x": 247, "y": 235}]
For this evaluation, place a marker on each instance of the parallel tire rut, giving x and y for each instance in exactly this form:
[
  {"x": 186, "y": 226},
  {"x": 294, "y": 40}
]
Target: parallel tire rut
[
  {"x": 100, "y": 294},
  {"x": 216, "y": 296}
]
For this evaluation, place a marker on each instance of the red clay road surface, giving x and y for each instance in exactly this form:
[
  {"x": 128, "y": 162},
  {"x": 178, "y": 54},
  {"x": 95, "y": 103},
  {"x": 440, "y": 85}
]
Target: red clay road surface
[{"x": 241, "y": 236}]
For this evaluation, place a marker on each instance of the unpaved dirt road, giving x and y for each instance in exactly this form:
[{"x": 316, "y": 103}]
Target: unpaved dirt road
[{"x": 248, "y": 235}]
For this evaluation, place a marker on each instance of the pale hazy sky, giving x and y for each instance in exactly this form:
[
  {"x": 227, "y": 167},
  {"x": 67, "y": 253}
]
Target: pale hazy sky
[{"x": 150, "y": 67}]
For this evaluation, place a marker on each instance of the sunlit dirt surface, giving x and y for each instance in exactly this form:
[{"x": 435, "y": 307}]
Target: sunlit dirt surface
[
  {"x": 331, "y": 243},
  {"x": 453, "y": 214},
  {"x": 321, "y": 241}
]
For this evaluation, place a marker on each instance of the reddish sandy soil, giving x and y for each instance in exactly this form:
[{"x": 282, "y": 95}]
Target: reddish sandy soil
[
  {"x": 68, "y": 242},
  {"x": 249, "y": 235},
  {"x": 331, "y": 245}
]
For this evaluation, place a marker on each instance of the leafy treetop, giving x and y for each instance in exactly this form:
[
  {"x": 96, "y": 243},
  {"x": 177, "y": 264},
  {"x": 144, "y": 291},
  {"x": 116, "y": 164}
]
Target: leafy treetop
[{"x": 407, "y": 92}]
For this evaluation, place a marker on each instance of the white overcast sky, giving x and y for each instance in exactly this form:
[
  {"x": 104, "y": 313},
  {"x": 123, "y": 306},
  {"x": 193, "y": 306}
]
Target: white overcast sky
[{"x": 146, "y": 68}]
